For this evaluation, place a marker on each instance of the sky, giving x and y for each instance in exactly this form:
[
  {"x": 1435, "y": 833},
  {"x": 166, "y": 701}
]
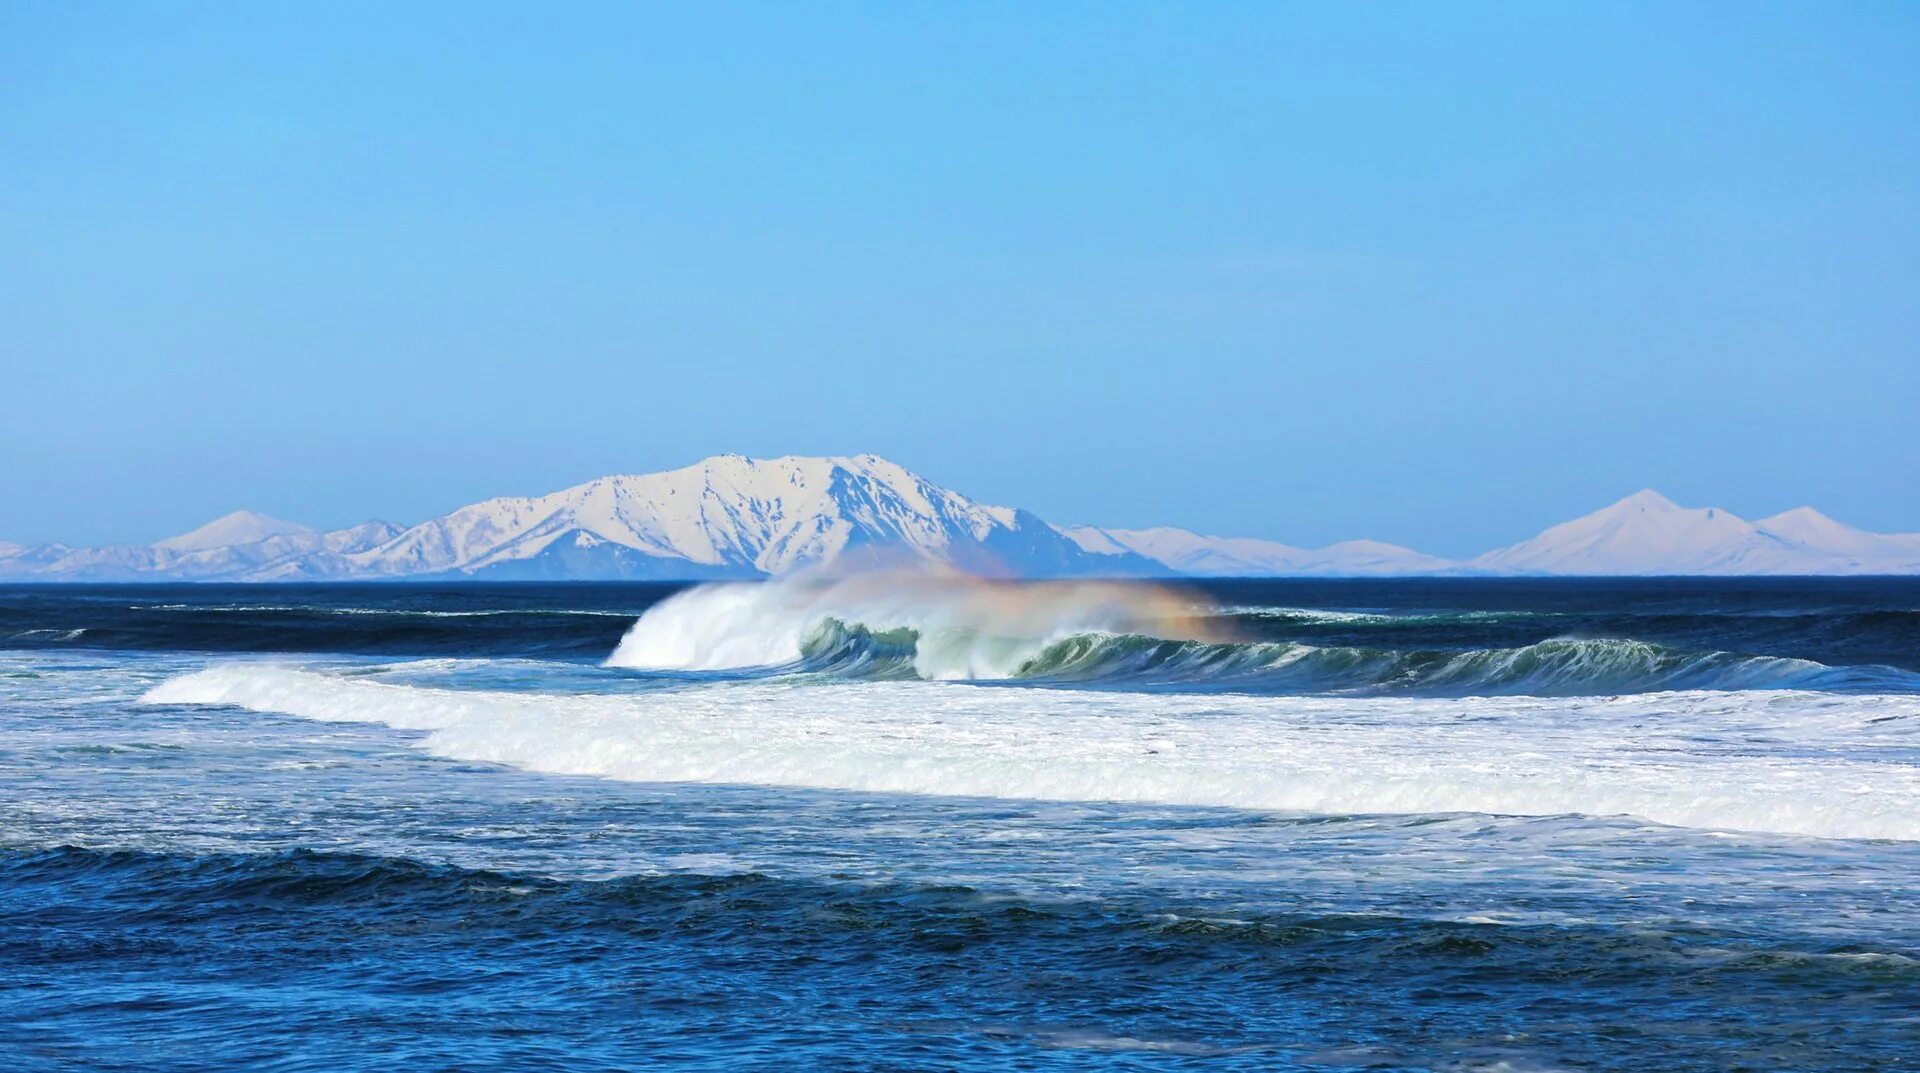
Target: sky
[{"x": 1440, "y": 274}]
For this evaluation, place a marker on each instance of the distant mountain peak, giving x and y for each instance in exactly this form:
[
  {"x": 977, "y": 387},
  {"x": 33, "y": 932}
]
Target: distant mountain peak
[
  {"x": 1647, "y": 534},
  {"x": 1646, "y": 499},
  {"x": 1803, "y": 520},
  {"x": 1182, "y": 551},
  {"x": 239, "y": 527},
  {"x": 1807, "y": 528}
]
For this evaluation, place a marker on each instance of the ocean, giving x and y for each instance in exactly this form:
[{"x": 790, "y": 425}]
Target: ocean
[{"x": 922, "y": 823}]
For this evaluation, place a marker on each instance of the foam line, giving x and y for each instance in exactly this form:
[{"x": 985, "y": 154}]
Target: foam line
[{"x": 1783, "y": 762}]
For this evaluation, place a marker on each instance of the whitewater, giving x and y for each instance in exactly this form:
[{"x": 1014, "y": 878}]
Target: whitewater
[{"x": 1790, "y": 763}]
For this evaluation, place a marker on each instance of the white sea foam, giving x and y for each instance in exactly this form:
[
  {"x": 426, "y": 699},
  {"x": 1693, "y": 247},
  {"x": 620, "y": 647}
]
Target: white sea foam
[
  {"x": 56, "y": 635},
  {"x": 1782, "y": 762},
  {"x": 1354, "y": 617},
  {"x": 1310, "y": 614}
]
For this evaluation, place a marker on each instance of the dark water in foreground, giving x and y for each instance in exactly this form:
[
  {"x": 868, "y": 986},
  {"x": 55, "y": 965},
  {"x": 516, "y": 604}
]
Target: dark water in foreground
[{"x": 1460, "y": 825}]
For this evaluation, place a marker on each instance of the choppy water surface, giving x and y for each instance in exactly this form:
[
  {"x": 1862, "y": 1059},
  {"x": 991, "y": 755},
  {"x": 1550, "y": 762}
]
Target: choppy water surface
[{"x": 932, "y": 824}]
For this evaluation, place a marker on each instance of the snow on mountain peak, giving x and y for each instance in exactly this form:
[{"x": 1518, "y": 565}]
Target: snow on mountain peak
[
  {"x": 1859, "y": 551},
  {"x": 1646, "y": 499},
  {"x": 1645, "y": 533},
  {"x": 1806, "y": 525},
  {"x": 240, "y": 527},
  {"x": 1648, "y": 534}
]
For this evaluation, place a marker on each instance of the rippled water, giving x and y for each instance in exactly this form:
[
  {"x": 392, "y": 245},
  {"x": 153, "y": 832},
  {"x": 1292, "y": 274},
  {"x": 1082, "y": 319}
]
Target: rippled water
[{"x": 361, "y": 827}]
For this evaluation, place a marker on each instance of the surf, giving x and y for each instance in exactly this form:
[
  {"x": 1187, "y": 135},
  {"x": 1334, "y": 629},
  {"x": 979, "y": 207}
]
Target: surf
[{"x": 1779, "y": 763}]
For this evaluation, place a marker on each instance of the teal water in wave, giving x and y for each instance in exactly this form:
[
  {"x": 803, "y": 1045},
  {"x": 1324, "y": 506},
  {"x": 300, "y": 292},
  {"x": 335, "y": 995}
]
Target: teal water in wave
[{"x": 1410, "y": 825}]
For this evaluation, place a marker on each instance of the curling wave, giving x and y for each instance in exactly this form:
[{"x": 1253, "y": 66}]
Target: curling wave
[{"x": 943, "y": 626}]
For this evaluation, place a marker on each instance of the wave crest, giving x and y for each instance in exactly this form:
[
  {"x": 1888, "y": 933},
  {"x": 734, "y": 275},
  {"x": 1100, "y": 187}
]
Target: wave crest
[{"x": 943, "y": 627}]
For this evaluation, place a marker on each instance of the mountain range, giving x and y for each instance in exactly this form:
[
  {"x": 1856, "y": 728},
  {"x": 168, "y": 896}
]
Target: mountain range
[{"x": 730, "y": 516}]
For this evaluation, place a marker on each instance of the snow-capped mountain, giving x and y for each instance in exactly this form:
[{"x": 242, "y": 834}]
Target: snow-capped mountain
[
  {"x": 240, "y": 527},
  {"x": 1648, "y": 534},
  {"x": 731, "y": 516},
  {"x": 1848, "y": 549},
  {"x": 1184, "y": 552}
]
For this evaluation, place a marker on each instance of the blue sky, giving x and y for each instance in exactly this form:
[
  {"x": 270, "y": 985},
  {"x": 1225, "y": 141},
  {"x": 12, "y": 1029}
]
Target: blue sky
[{"x": 1439, "y": 273}]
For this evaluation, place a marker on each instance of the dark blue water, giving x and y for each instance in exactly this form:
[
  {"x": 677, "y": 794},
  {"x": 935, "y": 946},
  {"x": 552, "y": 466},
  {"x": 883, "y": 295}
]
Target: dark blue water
[{"x": 406, "y": 826}]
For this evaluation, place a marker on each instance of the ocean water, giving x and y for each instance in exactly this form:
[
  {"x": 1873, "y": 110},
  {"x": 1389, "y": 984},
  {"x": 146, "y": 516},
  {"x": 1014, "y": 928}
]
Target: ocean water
[{"x": 910, "y": 822}]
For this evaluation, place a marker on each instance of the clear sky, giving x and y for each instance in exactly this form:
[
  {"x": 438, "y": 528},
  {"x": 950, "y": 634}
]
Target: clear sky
[{"x": 1433, "y": 273}]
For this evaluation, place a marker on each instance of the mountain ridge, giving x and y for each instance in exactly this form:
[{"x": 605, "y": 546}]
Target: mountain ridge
[{"x": 729, "y": 516}]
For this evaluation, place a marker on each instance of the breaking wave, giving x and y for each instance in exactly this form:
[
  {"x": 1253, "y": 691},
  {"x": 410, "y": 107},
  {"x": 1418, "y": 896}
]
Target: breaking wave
[
  {"x": 892, "y": 627},
  {"x": 1561, "y": 667},
  {"x": 944, "y": 626}
]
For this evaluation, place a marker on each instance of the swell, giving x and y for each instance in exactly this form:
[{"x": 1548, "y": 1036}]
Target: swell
[
  {"x": 557, "y": 634},
  {"x": 1830, "y": 635},
  {"x": 1896, "y": 618},
  {"x": 281, "y": 891},
  {"x": 320, "y": 961}
]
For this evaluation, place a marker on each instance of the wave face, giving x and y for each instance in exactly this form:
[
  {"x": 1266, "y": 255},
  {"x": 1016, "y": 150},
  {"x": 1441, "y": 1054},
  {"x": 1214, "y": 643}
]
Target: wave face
[
  {"x": 1560, "y": 667},
  {"x": 1841, "y": 770},
  {"x": 1140, "y": 636}
]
